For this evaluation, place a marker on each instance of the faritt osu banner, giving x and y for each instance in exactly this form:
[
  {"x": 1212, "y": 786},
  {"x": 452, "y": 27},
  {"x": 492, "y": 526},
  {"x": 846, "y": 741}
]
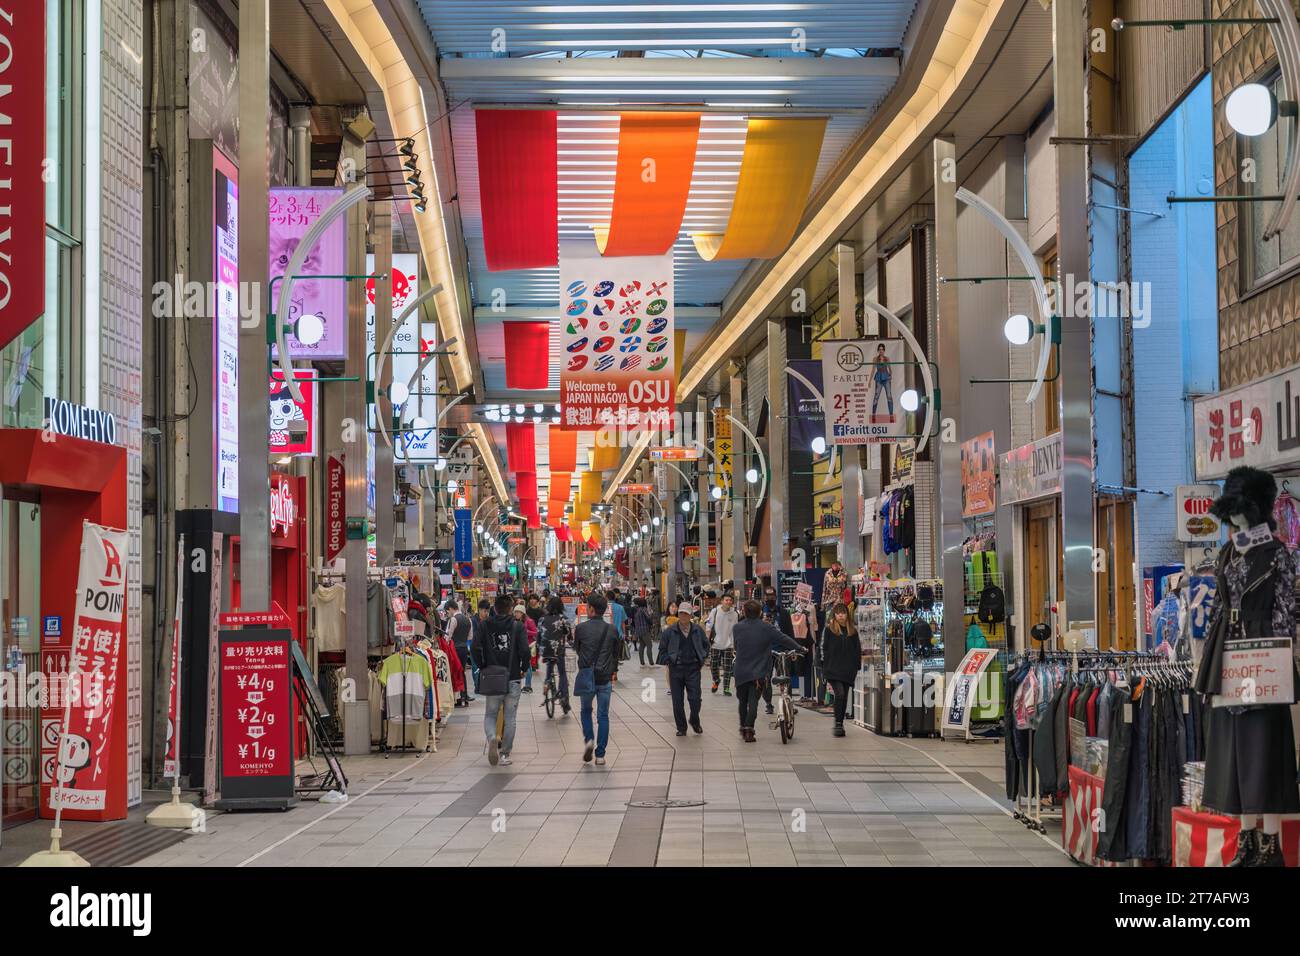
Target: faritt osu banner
[
  {"x": 616, "y": 339},
  {"x": 85, "y": 768}
]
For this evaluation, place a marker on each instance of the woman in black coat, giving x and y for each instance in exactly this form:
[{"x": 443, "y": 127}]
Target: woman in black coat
[{"x": 840, "y": 653}]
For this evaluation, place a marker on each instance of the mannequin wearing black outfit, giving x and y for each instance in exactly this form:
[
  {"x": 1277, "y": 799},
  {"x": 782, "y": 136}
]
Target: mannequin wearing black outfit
[{"x": 1250, "y": 763}]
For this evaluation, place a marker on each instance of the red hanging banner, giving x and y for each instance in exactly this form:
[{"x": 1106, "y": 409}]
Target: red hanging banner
[
  {"x": 521, "y": 447},
  {"x": 528, "y": 354},
  {"x": 22, "y": 165},
  {"x": 517, "y": 175},
  {"x": 526, "y": 485}
]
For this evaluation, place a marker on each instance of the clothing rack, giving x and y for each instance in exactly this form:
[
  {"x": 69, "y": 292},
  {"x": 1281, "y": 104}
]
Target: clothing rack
[{"x": 1029, "y": 808}]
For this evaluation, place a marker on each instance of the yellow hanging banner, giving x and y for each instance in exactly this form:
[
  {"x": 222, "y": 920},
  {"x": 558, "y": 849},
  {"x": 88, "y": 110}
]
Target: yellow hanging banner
[
  {"x": 776, "y": 175},
  {"x": 722, "y": 446}
]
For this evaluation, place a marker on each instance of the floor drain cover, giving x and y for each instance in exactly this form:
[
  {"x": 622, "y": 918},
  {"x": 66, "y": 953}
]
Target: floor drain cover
[{"x": 665, "y": 804}]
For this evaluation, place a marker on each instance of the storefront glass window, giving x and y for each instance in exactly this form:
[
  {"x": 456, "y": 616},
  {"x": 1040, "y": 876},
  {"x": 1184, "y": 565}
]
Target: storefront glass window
[{"x": 1267, "y": 260}]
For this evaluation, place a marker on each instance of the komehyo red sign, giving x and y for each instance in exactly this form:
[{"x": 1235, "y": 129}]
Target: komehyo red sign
[
  {"x": 22, "y": 158},
  {"x": 90, "y": 773},
  {"x": 334, "y": 509},
  {"x": 255, "y": 718}
]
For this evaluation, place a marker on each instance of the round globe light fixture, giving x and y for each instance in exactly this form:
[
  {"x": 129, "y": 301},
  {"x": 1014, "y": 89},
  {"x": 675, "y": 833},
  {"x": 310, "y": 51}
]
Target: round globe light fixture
[
  {"x": 452, "y": 485},
  {"x": 398, "y": 393},
  {"x": 1251, "y": 109},
  {"x": 716, "y": 492},
  {"x": 1018, "y": 330},
  {"x": 819, "y": 445},
  {"x": 751, "y": 476},
  {"x": 309, "y": 329},
  {"x": 910, "y": 400},
  {"x": 686, "y": 506},
  {"x": 419, "y": 424}
]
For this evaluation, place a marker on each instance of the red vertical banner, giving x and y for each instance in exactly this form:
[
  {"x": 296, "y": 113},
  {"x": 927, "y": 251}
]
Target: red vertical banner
[
  {"x": 88, "y": 776},
  {"x": 334, "y": 509},
  {"x": 170, "y": 761},
  {"x": 22, "y": 168},
  {"x": 518, "y": 187}
]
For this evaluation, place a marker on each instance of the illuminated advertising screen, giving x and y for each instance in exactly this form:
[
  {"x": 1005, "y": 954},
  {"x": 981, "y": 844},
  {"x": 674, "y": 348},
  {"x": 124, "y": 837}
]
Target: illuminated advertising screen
[{"x": 225, "y": 329}]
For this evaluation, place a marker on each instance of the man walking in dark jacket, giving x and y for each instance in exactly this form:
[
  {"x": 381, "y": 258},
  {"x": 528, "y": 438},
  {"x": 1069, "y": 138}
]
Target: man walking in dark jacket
[
  {"x": 683, "y": 648},
  {"x": 755, "y": 642},
  {"x": 598, "y": 646},
  {"x": 502, "y": 642}
]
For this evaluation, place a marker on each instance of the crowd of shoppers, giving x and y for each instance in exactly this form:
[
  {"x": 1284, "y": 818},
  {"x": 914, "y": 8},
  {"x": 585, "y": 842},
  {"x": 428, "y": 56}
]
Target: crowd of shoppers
[{"x": 501, "y": 644}]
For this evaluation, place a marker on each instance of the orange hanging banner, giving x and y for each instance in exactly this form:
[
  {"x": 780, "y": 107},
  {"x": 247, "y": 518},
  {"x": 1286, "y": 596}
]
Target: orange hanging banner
[
  {"x": 656, "y": 157},
  {"x": 776, "y": 175},
  {"x": 561, "y": 486},
  {"x": 563, "y": 449}
]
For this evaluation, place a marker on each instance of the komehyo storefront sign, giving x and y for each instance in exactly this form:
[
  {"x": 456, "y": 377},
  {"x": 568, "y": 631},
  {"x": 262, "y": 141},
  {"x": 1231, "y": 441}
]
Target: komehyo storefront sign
[
  {"x": 616, "y": 339},
  {"x": 1256, "y": 424},
  {"x": 90, "y": 761}
]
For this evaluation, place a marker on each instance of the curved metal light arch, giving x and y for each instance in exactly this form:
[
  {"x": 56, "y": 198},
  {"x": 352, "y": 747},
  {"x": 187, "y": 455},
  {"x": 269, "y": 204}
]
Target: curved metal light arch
[
  {"x": 821, "y": 399},
  {"x": 1034, "y": 271},
  {"x": 356, "y": 193},
  {"x": 695, "y": 504},
  {"x": 762, "y": 490}
]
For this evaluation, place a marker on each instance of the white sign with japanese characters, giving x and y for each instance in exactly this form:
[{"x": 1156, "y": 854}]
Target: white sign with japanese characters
[{"x": 1256, "y": 424}]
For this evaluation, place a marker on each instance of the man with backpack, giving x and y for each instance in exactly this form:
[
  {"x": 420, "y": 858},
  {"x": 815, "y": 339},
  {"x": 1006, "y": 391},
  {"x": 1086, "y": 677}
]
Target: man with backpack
[
  {"x": 599, "y": 647},
  {"x": 459, "y": 628},
  {"x": 501, "y": 654}
]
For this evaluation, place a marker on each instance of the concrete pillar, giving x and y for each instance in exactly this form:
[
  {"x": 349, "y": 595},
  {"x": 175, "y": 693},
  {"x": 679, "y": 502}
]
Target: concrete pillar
[
  {"x": 356, "y": 715},
  {"x": 385, "y": 523},
  {"x": 851, "y": 502},
  {"x": 705, "y": 503},
  {"x": 777, "y": 459},
  {"x": 254, "y": 185},
  {"x": 1069, "y": 68},
  {"x": 947, "y": 355},
  {"x": 738, "y": 481}
]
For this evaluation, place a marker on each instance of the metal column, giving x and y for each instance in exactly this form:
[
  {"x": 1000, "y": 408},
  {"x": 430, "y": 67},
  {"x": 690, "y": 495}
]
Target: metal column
[
  {"x": 385, "y": 524},
  {"x": 850, "y": 500},
  {"x": 777, "y": 458},
  {"x": 1069, "y": 68},
  {"x": 356, "y": 713},
  {"x": 674, "y": 544},
  {"x": 948, "y": 357},
  {"x": 254, "y": 185},
  {"x": 737, "y": 483},
  {"x": 702, "y": 514}
]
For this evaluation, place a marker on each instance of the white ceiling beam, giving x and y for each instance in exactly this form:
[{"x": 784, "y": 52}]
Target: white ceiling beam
[{"x": 665, "y": 69}]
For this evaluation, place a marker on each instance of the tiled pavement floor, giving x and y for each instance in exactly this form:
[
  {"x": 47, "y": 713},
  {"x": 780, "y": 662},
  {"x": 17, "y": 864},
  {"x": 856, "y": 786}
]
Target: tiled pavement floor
[{"x": 860, "y": 800}]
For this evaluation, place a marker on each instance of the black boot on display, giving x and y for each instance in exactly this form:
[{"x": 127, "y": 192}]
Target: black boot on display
[
  {"x": 1246, "y": 847},
  {"x": 1268, "y": 851}
]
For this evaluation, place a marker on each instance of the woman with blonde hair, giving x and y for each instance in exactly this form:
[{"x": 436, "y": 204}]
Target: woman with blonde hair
[{"x": 840, "y": 655}]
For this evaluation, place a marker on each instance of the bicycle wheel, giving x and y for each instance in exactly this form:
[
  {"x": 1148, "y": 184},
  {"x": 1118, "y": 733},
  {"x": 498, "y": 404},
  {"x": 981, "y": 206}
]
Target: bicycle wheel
[
  {"x": 548, "y": 699},
  {"x": 784, "y": 728},
  {"x": 789, "y": 718}
]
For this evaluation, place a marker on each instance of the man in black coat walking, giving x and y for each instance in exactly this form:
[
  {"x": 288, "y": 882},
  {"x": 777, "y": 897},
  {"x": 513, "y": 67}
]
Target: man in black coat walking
[{"x": 683, "y": 648}]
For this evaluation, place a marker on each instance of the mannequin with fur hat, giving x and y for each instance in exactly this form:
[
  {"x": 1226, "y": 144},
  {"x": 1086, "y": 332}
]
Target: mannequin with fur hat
[{"x": 1250, "y": 762}]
